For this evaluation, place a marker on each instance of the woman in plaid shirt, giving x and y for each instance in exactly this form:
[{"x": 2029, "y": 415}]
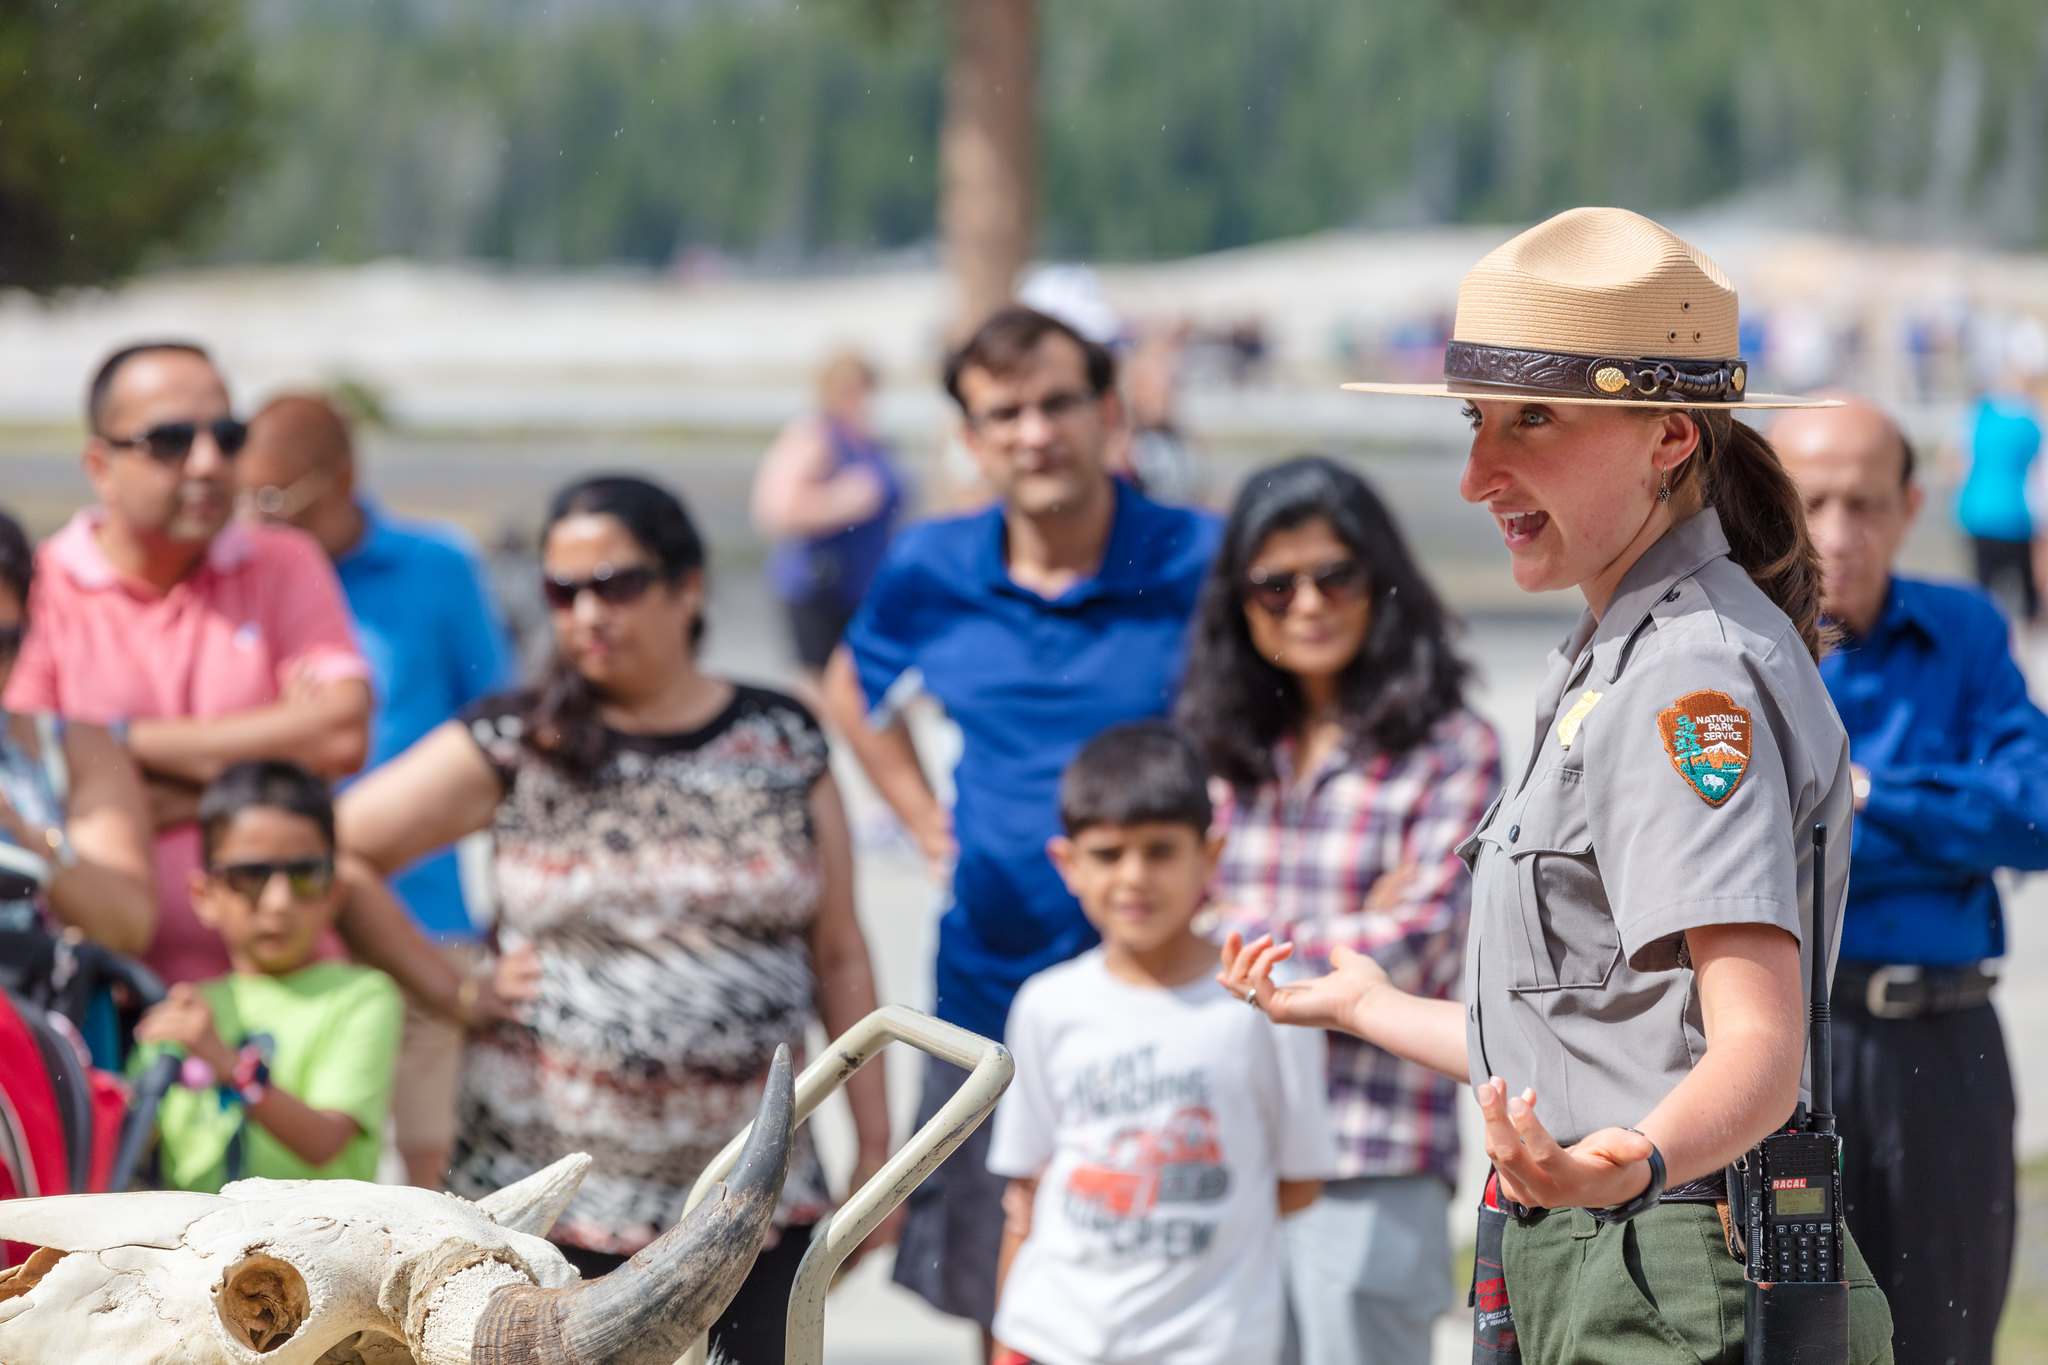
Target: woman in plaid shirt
[{"x": 1323, "y": 690}]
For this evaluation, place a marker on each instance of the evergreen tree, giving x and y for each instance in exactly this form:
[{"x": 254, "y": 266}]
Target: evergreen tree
[
  {"x": 1685, "y": 745},
  {"x": 786, "y": 133},
  {"x": 123, "y": 124}
]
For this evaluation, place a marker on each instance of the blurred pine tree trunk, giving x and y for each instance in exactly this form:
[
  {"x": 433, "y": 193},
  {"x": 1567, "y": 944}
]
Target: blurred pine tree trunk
[{"x": 988, "y": 154}]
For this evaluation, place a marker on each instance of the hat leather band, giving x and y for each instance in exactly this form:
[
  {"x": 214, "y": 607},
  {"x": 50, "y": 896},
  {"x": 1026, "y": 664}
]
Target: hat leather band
[{"x": 1589, "y": 376}]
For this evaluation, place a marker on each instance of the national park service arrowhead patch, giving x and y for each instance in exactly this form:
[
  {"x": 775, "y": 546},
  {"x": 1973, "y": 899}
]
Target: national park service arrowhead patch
[{"x": 1706, "y": 736}]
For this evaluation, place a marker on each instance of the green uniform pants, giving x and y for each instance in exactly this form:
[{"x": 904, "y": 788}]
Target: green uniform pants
[{"x": 1658, "y": 1288}]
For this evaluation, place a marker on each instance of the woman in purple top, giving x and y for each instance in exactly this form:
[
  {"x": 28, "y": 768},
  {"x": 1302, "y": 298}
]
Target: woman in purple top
[{"x": 828, "y": 493}]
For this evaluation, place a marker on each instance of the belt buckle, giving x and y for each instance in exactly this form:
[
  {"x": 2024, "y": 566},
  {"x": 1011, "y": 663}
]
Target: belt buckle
[
  {"x": 1875, "y": 998},
  {"x": 1971, "y": 979}
]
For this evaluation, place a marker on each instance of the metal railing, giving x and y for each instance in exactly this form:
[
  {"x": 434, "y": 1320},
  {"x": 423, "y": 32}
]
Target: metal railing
[{"x": 989, "y": 1069}]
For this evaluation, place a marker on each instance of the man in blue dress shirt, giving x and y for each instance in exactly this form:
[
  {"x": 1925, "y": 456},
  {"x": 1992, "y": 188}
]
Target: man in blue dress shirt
[
  {"x": 1950, "y": 764},
  {"x": 1036, "y": 624},
  {"x": 433, "y": 637}
]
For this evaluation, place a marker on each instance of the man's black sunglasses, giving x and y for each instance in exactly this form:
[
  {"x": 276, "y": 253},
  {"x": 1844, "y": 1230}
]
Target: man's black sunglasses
[
  {"x": 310, "y": 878},
  {"x": 614, "y": 587},
  {"x": 171, "y": 442}
]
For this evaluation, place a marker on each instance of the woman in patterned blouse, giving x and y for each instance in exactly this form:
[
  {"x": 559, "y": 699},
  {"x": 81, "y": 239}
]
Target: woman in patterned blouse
[
  {"x": 675, "y": 882},
  {"x": 1323, "y": 690}
]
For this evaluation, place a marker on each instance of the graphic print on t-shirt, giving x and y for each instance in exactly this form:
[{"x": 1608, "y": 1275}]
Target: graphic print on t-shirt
[{"x": 1144, "y": 1189}]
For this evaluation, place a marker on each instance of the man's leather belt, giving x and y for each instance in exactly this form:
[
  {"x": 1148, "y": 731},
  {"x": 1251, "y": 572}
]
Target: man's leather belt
[
  {"x": 1907, "y": 991},
  {"x": 1708, "y": 1189}
]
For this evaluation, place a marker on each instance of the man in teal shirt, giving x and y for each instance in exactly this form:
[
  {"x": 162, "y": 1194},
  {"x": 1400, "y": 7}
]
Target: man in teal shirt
[
  {"x": 2003, "y": 435},
  {"x": 435, "y": 642}
]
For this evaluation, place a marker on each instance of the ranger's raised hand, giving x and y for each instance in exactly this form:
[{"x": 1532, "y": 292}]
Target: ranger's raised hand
[{"x": 1334, "y": 1001}]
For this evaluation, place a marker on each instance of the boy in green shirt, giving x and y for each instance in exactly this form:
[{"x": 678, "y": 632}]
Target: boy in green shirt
[{"x": 288, "y": 1061}]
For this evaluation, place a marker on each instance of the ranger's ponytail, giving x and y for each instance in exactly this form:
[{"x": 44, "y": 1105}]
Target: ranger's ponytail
[{"x": 1762, "y": 515}]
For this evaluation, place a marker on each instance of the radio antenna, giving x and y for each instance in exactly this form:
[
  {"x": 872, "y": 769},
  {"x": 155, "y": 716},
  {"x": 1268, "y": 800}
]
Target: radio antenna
[{"x": 1820, "y": 1115}]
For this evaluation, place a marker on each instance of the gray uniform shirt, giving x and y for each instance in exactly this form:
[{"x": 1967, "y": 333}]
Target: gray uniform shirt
[{"x": 1685, "y": 747}]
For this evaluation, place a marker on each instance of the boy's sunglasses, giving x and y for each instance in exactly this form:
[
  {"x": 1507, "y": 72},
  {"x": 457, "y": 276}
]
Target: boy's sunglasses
[
  {"x": 310, "y": 878},
  {"x": 1340, "y": 582},
  {"x": 614, "y": 587},
  {"x": 171, "y": 442}
]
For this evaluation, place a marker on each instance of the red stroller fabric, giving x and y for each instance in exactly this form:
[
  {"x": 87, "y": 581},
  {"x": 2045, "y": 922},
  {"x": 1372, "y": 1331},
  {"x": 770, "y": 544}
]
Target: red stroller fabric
[
  {"x": 110, "y": 1095},
  {"x": 32, "y": 1159},
  {"x": 34, "y": 1152}
]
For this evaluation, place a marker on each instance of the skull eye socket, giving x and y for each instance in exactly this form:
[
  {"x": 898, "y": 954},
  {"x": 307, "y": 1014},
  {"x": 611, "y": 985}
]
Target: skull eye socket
[
  {"x": 263, "y": 1301},
  {"x": 18, "y": 1280}
]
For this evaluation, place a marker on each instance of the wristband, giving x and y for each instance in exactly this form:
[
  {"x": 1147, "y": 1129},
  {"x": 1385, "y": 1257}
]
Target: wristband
[
  {"x": 1652, "y": 1192},
  {"x": 195, "y": 1074},
  {"x": 465, "y": 1001},
  {"x": 251, "y": 1079},
  {"x": 61, "y": 852}
]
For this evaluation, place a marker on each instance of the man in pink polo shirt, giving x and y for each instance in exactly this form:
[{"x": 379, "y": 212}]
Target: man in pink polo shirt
[{"x": 209, "y": 641}]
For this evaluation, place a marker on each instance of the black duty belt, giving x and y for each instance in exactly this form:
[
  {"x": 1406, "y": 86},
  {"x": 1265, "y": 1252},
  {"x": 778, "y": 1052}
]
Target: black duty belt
[
  {"x": 1708, "y": 1189},
  {"x": 1907, "y": 991}
]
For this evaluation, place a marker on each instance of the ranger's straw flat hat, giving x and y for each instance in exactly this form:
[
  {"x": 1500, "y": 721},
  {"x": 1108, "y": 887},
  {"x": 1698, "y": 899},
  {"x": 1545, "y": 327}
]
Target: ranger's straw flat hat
[{"x": 1598, "y": 306}]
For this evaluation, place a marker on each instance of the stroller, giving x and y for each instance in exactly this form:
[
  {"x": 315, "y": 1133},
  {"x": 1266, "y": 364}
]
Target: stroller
[{"x": 68, "y": 1123}]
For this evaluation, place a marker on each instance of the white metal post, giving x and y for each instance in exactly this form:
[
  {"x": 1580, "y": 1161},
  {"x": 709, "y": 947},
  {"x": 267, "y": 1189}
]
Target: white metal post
[{"x": 989, "y": 1069}]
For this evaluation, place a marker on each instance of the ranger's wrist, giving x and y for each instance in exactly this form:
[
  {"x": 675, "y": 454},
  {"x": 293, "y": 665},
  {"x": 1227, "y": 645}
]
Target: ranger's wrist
[
  {"x": 1369, "y": 1008},
  {"x": 1652, "y": 1192}
]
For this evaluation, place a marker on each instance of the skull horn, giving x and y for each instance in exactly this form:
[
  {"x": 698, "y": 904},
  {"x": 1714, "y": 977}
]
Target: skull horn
[
  {"x": 532, "y": 1205},
  {"x": 649, "y": 1310}
]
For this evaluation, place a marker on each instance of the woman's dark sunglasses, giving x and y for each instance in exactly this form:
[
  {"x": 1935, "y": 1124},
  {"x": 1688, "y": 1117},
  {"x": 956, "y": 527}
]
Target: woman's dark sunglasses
[
  {"x": 171, "y": 442},
  {"x": 310, "y": 878},
  {"x": 10, "y": 641},
  {"x": 614, "y": 587},
  {"x": 1340, "y": 582}
]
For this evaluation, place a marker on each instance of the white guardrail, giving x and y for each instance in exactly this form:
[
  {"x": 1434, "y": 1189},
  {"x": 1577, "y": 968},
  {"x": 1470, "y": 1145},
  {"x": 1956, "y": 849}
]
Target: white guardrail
[{"x": 989, "y": 1069}]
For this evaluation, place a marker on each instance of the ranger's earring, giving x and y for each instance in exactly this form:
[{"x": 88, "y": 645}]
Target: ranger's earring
[{"x": 1664, "y": 490}]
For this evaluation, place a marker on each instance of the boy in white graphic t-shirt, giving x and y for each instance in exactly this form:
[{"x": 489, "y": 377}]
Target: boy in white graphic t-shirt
[{"x": 1157, "y": 1129}]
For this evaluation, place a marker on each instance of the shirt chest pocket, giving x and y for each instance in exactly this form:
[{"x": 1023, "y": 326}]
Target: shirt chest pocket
[
  {"x": 1468, "y": 852},
  {"x": 1568, "y": 939}
]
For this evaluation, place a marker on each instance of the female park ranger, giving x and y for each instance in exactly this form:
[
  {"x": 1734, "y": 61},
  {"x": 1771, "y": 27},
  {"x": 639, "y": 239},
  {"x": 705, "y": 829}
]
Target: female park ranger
[{"x": 1635, "y": 996}]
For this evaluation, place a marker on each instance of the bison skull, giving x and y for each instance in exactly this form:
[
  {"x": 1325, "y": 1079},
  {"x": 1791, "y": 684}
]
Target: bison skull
[{"x": 335, "y": 1272}]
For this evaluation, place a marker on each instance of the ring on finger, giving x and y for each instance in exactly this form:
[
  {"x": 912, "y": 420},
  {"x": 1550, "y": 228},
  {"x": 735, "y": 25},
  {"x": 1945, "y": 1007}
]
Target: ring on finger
[{"x": 1251, "y": 996}]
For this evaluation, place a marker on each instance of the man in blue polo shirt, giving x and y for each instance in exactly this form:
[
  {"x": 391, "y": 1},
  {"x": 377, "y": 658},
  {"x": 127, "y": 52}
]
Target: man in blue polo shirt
[
  {"x": 434, "y": 641},
  {"x": 1950, "y": 765},
  {"x": 1036, "y": 624}
]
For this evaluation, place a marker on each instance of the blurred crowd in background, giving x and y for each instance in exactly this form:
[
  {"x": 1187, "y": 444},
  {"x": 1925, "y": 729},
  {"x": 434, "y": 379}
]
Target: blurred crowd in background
[{"x": 238, "y": 621}]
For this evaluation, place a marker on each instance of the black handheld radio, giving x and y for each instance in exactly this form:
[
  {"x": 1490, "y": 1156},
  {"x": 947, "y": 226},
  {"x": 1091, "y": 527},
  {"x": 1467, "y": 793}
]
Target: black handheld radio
[{"x": 1785, "y": 1196}]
